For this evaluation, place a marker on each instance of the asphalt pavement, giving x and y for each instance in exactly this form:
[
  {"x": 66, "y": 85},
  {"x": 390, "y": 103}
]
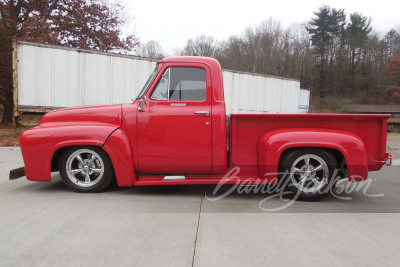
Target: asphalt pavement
[{"x": 46, "y": 224}]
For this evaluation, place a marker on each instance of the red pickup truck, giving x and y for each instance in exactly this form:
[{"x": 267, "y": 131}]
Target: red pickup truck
[{"x": 177, "y": 132}]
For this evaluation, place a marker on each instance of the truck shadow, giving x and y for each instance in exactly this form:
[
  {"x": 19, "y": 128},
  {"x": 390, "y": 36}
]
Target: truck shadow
[{"x": 189, "y": 198}]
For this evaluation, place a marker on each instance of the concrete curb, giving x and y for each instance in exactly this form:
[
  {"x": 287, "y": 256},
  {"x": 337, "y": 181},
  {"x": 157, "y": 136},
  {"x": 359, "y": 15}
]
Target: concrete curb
[{"x": 10, "y": 148}]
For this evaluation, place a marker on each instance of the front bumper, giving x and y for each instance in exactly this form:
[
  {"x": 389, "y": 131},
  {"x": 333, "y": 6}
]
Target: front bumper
[{"x": 17, "y": 173}]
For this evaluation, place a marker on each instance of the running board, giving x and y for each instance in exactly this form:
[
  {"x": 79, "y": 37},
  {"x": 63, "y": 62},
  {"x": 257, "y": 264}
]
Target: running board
[{"x": 174, "y": 178}]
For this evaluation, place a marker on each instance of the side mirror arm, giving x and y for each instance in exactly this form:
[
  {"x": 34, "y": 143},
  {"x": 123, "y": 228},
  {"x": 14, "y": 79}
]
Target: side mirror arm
[{"x": 144, "y": 100}]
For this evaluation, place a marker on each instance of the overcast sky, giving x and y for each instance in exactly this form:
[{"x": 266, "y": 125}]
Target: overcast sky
[{"x": 173, "y": 22}]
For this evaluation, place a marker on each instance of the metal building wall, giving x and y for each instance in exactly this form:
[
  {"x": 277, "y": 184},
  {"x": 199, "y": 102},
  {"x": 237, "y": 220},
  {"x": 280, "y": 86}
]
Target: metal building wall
[
  {"x": 304, "y": 101},
  {"x": 61, "y": 77},
  {"x": 54, "y": 77},
  {"x": 247, "y": 93}
]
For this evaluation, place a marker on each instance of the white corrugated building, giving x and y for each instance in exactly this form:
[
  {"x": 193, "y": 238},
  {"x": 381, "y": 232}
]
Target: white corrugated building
[{"x": 51, "y": 77}]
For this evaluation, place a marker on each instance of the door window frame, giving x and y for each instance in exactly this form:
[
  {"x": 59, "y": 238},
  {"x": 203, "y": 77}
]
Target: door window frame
[{"x": 166, "y": 66}]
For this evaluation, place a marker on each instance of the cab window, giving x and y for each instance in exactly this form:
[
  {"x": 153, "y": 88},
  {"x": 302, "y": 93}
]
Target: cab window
[{"x": 181, "y": 84}]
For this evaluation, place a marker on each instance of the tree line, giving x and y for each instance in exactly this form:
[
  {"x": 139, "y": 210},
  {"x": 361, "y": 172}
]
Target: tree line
[{"x": 335, "y": 55}]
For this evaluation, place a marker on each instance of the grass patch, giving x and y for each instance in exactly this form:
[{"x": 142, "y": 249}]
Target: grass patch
[{"x": 9, "y": 135}]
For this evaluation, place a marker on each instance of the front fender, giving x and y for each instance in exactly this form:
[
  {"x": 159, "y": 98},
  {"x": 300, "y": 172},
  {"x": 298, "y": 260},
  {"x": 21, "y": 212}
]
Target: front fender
[
  {"x": 39, "y": 144},
  {"x": 273, "y": 143}
]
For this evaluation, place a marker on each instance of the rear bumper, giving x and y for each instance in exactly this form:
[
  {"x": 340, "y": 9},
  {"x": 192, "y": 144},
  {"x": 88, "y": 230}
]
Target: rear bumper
[
  {"x": 386, "y": 161},
  {"x": 389, "y": 160},
  {"x": 17, "y": 173}
]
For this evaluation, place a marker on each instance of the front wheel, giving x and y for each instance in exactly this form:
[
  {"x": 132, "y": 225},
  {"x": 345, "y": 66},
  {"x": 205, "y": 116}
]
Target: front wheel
[
  {"x": 308, "y": 172},
  {"x": 86, "y": 169}
]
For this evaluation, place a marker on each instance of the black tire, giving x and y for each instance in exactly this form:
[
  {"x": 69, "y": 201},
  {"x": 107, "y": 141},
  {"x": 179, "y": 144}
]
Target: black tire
[
  {"x": 301, "y": 180},
  {"x": 86, "y": 169}
]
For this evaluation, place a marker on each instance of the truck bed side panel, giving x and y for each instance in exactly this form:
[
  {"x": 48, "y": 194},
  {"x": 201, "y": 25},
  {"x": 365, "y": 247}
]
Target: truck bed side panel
[{"x": 246, "y": 130}]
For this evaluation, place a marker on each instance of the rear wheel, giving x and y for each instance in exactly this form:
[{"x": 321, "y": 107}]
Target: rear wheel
[
  {"x": 86, "y": 169},
  {"x": 309, "y": 172}
]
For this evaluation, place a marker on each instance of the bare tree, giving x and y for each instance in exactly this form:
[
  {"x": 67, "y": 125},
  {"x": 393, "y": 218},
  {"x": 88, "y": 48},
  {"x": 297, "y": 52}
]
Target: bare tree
[
  {"x": 204, "y": 46},
  {"x": 151, "y": 49},
  {"x": 392, "y": 39}
]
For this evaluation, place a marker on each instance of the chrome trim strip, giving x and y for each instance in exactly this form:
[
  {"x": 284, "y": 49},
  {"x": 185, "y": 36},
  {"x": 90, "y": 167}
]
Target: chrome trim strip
[
  {"x": 174, "y": 178},
  {"x": 178, "y": 104},
  {"x": 169, "y": 81},
  {"x": 206, "y": 113}
]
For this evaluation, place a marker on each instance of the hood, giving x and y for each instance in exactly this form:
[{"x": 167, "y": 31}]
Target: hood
[{"x": 111, "y": 114}]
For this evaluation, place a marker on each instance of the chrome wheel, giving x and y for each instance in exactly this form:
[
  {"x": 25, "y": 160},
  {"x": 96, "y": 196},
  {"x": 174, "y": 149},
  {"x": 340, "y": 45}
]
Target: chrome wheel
[
  {"x": 85, "y": 168},
  {"x": 309, "y": 173}
]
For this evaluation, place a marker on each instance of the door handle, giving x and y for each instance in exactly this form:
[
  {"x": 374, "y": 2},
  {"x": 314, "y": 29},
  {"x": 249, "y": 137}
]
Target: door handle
[{"x": 206, "y": 113}]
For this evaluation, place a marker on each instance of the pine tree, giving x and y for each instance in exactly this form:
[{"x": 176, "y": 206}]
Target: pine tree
[
  {"x": 325, "y": 30},
  {"x": 357, "y": 32}
]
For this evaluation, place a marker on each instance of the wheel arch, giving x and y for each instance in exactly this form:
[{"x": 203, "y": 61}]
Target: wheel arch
[
  {"x": 55, "y": 161},
  {"x": 118, "y": 149},
  {"x": 337, "y": 154},
  {"x": 345, "y": 146}
]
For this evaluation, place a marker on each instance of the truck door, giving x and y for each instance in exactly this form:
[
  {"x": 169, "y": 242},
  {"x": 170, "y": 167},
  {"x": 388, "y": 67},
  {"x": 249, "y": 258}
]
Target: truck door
[{"x": 174, "y": 126}]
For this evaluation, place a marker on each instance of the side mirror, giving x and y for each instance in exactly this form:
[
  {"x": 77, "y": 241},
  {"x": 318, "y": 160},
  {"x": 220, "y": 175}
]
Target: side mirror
[{"x": 144, "y": 100}]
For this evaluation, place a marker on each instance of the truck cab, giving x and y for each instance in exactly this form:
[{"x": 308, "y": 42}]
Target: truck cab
[{"x": 181, "y": 110}]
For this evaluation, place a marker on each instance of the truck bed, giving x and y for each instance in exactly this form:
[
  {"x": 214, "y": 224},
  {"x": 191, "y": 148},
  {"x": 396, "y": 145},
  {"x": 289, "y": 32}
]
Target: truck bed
[{"x": 246, "y": 129}]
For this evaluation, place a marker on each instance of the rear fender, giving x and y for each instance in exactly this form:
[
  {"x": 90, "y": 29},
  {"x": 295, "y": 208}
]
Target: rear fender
[
  {"x": 273, "y": 143},
  {"x": 118, "y": 147}
]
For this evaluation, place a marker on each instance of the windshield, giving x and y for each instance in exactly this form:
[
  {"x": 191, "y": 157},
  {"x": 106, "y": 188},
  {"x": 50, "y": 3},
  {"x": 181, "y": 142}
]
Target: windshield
[{"x": 147, "y": 83}]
